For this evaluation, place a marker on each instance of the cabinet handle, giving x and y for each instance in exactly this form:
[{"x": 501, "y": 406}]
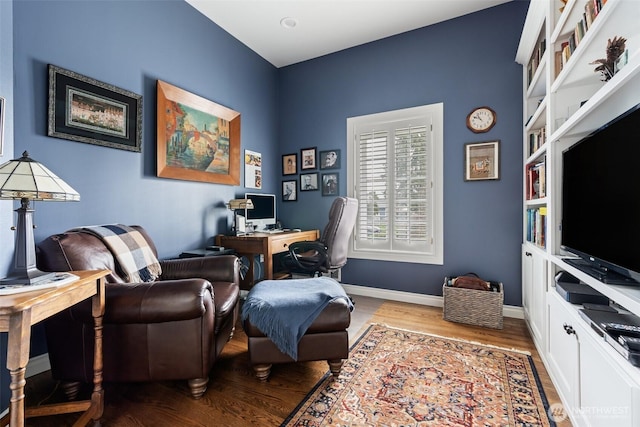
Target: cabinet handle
[
  {"x": 568, "y": 329},
  {"x": 527, "y": 253}
]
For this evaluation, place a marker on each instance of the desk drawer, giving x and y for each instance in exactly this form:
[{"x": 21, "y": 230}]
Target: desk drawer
[{"x": 281, "y": 242}]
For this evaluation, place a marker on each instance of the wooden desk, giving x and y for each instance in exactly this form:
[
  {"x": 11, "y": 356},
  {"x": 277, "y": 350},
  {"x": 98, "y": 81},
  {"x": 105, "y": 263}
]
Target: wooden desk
[
  {"x": 18, "y": 312},
  {"x": 265, "y": 244}
]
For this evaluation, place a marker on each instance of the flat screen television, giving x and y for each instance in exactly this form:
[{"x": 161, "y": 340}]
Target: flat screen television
[
  {"x": 601, "y": 201},
  {"x": 263, "y": 214}
]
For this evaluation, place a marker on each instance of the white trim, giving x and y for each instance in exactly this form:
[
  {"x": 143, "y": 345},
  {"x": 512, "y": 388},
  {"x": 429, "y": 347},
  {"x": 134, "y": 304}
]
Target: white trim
[
  {"x": 432, "y": 116},
  {"x": 413, "y": 298}
]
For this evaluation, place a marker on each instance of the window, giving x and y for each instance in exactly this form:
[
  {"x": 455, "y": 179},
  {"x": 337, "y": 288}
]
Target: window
[{"x": 395, "y": 171}]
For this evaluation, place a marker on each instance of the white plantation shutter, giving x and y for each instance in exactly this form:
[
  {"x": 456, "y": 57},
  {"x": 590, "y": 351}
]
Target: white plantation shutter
[{"x": 395, "y": 172}]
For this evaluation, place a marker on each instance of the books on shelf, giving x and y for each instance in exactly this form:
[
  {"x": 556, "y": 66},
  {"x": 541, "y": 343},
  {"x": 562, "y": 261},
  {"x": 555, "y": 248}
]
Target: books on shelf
[
  {"x": 58, "y": 279},
  {"x": 536, "y": 180},
  {"x": 537, "y": 225},
  {"x": 537, "y": 138},
  {"x": 536, "y": 58},
  {"x": 591, "y": 10}
]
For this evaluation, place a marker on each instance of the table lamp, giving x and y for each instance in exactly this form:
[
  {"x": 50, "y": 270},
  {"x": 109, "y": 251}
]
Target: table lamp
[
  {"x": 25, "y": 179},
  {"x": 239, "y": 221}
]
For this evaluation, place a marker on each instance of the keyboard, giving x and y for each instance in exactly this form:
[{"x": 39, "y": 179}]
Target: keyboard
[{"x": 273, "y": 231}]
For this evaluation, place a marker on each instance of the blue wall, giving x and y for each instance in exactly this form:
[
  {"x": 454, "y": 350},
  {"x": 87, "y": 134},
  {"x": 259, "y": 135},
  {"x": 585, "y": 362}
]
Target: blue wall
[
  {"x": 465, "y": 63},
  {"x": 6, "y": 213},
  {"x": 132, "y": 45}
]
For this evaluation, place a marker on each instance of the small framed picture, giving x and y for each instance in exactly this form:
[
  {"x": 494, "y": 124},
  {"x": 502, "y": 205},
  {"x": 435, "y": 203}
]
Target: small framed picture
[
  {"x": 330, "y": 159},
  {"x": 289, "y": 164},
  {"x": 482, "y": 161},
  {"x": 308, "y": 158},
  {"x": 330, "y": 184},
  {"x": 309, "y": 182},
  {"x": 289, "y": 191}
]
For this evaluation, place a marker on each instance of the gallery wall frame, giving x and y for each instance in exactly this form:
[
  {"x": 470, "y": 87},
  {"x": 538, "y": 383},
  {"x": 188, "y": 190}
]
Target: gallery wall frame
[
  {"x": 330, "y": 159},
  {"x": 309, "y": 182},
  {"x": 87, "y": 110},
  {"x": 330, "y": 182},
  {"x": 482, "y": 161},
  {"x": 290, "y": 164},
  {"x": 290, "y": 190},
  {"x": 308, "y": 158},
  {"x": 208, "y": 149}
]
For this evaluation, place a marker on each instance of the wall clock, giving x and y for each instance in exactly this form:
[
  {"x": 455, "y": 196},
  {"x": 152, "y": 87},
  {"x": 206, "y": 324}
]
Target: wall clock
[{"x": 481, "y": 119}]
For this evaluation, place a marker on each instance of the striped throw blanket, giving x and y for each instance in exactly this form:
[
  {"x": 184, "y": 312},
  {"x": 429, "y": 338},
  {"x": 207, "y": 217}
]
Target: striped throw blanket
[{"x": 131, "y": 251}]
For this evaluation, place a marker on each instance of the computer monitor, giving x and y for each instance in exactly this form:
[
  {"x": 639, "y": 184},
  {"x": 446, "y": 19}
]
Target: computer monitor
[{"x": 263, "y": 214}]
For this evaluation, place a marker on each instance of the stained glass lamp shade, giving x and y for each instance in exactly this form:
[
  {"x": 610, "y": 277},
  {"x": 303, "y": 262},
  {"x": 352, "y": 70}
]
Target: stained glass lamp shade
[{"x": 25, "y": 179}]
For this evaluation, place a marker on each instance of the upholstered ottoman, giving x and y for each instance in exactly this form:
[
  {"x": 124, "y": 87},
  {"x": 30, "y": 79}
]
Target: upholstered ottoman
[{"x": 297, "y": 320}]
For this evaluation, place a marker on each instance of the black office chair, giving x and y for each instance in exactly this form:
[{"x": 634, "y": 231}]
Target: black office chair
[{"x": 329, "y": 253}]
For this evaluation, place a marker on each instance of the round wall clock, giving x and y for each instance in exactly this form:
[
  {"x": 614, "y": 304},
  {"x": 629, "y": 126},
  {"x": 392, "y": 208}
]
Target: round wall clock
[{"x": 481, "y": 119}]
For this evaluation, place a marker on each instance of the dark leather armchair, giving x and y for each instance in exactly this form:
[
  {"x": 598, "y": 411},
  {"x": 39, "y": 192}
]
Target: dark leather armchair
[
  {"x": 170, "y": 329},
  {"x": 329, "y": 253}
]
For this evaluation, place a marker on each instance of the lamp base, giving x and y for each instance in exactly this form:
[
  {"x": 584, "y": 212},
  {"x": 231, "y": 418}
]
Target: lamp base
[{"x": 27, "y": 278}]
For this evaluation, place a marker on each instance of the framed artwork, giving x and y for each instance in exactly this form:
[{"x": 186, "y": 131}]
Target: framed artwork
[
  {"x": 289, "y": 191},
  {"x": 482, "y": 161},
  {"x": 289, "y": 164},
  {"x": 197, "y": 139},
  {"x": 330, "y": 184},
  {"x": 308, "y": 182},
  {"x": 252, "y": 169},
  {"x": 330, "y": 159},
  {"x": 2, "y": 107},
  {"x": 87, "y": 110},
  {"x": 308, "y": 158}
]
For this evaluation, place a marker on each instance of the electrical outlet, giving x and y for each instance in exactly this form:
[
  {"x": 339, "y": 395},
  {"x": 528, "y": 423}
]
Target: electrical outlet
[{"x": 261, "y": 257}]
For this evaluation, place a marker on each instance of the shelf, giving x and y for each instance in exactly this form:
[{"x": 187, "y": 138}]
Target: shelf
[
  {"x": 579, "y": 70},
  {"x": 538, "y": 119},
  {"x": 538, "y": 85},
  {"x": 626, "y": 296},
  {"x": 612, "y": 99}
]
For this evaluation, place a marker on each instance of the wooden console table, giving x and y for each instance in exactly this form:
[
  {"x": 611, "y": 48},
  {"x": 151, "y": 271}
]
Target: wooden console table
[
  {"x": 266, "y": 244},
  {"x": 18, "y": 312}
]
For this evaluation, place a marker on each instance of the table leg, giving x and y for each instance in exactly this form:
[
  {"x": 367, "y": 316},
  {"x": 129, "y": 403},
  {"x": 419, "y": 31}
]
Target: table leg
[
  {"x": 17, "y": 359},
  {"x": 97, "y": 397}
]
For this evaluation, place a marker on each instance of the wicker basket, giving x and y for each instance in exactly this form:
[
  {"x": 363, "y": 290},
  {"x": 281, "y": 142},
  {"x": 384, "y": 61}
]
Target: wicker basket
[{"x": 481, "y": 308}]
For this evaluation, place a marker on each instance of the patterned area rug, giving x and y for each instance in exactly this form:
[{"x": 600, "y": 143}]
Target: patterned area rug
[{"x": 396, "y": 377}]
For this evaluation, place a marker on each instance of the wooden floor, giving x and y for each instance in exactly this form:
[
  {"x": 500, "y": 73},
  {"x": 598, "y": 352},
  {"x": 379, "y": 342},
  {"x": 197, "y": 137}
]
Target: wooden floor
[{"x": 236, "y": 398}]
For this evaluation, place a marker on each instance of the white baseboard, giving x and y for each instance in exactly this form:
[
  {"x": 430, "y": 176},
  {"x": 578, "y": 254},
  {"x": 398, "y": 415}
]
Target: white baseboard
[{"x": 413, "y": 298}]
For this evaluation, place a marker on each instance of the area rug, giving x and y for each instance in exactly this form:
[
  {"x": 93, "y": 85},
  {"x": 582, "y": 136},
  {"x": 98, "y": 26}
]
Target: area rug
[{"x": 395, "y": 377}]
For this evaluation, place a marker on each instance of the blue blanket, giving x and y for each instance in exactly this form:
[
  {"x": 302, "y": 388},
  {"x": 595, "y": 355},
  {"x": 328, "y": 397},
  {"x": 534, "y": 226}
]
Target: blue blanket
[{"x": 284, "y": 309}]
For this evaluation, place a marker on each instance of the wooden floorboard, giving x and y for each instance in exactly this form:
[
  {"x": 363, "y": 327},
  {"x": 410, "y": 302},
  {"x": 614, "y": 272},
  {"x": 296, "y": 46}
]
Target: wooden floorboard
[{"x": 236, "y": 398}]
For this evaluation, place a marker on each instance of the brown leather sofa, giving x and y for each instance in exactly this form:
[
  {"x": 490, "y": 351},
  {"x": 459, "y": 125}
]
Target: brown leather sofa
[{"x": 170, "y": 329}]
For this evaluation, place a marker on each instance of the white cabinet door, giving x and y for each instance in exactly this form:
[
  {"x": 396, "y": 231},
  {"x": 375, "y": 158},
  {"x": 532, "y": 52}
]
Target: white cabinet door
[
  {"x": 527, "y": 281},
  {"x": 538, "y": 298},
  {"x": 563, "y": 345},
  {"x": 534, "y": 289},
  {"x": 607, "y": 395}
]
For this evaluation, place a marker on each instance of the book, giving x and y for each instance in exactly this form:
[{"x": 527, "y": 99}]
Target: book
[{"x": 58, "y": 280}]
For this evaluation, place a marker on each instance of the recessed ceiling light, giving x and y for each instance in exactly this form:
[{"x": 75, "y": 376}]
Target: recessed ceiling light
[{"x": 288, "y": 22}]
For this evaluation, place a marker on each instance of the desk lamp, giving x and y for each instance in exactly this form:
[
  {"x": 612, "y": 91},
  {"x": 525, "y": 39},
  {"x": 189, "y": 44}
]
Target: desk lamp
[
  {"x": 25, "y": 179},
  {"x": 239, "y": 220}
]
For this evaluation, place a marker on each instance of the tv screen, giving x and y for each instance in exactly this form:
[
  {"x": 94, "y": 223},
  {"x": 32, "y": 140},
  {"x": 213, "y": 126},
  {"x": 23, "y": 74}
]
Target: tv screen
[
  {"x": 601, "y": 201},
  {"x": 263, "y": 213}
]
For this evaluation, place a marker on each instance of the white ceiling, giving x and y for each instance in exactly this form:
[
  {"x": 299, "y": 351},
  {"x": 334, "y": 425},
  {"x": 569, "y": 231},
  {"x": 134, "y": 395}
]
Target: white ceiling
[{"x": 326, "y": 26}]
